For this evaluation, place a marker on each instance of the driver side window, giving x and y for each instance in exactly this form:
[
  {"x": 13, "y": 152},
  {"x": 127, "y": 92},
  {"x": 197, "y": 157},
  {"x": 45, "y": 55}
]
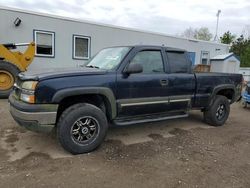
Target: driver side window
[{"x": 150, "y": 60}]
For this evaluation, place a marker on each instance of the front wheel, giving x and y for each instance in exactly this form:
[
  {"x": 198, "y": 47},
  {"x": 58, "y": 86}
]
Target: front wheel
[
  {"x": 82, "y": 128},
  {"x": 218, "y": 112}
]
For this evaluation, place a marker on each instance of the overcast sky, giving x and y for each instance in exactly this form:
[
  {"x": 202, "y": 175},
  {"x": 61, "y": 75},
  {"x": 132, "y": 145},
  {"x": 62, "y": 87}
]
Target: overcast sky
[{"x": 165, "y": 16}]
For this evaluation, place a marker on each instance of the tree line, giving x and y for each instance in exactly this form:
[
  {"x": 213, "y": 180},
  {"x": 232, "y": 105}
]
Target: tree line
[{"x": 240, "y": 46}]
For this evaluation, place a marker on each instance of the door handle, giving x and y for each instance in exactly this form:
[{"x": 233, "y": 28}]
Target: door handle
[{"x": 164, "y": 82}]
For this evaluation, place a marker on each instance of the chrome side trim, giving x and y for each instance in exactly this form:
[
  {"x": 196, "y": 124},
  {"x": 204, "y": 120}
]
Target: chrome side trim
[
  {"x": 179, "y": 100},
  {"x": 42, "y": 118},
  {"x": 153, "y": 100},
  {"x": 144, "y": 103}
]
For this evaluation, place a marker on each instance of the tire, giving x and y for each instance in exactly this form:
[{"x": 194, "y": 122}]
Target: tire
[
  {"x": 8, "y": 74},
  {"x": 82, "y": 128},
  {"x": 218, "y": 112}
]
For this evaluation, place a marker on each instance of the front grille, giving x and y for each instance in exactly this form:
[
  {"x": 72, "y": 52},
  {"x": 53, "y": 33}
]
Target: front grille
[{"x": 17, "y": 92}]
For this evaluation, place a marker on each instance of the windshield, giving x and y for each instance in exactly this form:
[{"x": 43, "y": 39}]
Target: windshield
[{"x": 108, "y": 58}]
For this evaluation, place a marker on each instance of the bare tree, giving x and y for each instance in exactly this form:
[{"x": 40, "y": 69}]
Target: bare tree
[
  {"x": 189, "y": 33},
  {"x": 202, "y": 33}
]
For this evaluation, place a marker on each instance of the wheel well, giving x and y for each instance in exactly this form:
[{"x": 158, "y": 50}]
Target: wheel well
[
  {"x": 97, "y": 100},
  {"x": 229, "y": 93}
]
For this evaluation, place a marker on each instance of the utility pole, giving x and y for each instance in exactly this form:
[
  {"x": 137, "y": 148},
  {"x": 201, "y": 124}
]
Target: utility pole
[{"x": 217, "y": 24}]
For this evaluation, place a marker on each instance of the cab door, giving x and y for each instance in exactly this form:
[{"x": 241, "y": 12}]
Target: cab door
[{"x": 145, "y": 92}]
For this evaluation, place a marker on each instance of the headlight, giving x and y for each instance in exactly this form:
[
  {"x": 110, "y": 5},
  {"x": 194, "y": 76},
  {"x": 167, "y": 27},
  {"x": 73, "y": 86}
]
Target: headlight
[
  {"x": 28, "y": 91},
  {"x": 29, "y": 85}
]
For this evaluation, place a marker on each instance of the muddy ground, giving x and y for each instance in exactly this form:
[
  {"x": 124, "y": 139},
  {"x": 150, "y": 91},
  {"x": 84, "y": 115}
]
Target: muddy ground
[{"x": 175, "y": 153}]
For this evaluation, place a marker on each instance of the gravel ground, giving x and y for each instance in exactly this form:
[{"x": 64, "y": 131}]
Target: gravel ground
[{"x": 175, "y": 153}]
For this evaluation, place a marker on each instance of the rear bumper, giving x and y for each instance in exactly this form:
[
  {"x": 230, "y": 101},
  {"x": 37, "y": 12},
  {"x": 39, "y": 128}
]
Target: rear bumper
[{"x": 35, "y": 117}]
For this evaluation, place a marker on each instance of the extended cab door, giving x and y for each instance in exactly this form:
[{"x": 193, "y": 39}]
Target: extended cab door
[{"x": 181, "y": 80}]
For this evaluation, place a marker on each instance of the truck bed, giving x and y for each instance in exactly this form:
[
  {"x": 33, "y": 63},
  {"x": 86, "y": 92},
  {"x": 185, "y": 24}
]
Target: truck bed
[{"x": 206, "y": 83}]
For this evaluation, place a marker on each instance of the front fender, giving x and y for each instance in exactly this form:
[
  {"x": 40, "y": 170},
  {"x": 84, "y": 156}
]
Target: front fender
[{"x": 106, "y": 92}]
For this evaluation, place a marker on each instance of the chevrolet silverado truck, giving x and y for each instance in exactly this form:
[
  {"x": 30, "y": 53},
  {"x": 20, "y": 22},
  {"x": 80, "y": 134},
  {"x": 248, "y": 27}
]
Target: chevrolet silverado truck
[{"x": 120, "y": 86}]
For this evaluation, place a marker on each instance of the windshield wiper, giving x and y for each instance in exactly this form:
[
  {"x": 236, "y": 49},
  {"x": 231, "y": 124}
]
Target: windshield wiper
[{"x": 92, "y": 66}]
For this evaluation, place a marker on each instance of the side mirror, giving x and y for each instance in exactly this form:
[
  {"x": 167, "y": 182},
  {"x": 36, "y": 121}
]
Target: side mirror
[{"x": 134, "y": 68}]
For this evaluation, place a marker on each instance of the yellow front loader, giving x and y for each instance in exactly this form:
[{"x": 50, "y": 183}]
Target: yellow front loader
[{"x": 12, "y": 63}]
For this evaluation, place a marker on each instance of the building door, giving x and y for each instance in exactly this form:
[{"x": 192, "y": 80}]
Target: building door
[
  {"x": 205, "y": 58},
  {"x": 230, "y": 66}
]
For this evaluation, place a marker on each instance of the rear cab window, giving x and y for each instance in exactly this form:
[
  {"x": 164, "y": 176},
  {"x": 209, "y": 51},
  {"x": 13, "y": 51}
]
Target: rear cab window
[{"x": 178, "y": 62}]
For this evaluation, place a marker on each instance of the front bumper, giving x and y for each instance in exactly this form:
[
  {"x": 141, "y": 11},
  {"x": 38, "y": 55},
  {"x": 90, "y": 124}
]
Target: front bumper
[{"x": 35, "y": 117}]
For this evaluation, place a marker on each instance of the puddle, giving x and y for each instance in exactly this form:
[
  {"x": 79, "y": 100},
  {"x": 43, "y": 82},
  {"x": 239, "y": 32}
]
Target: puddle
[{"x": 21, "y": 143}]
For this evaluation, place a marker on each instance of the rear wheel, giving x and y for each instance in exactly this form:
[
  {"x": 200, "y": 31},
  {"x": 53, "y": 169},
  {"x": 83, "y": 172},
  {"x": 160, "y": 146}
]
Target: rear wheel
[
  {"x": 8, "y": 74},
  {"x": 82, "y": 128},
  {"x": 218, "y": 112}
]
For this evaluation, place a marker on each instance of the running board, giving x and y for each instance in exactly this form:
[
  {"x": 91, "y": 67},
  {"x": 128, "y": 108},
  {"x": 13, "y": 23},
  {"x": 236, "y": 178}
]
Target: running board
[{"x": 147, "y": 119}]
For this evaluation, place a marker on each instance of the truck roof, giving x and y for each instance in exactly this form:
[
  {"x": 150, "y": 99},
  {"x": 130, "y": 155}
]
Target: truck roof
[{"x": 152, "y": 46}]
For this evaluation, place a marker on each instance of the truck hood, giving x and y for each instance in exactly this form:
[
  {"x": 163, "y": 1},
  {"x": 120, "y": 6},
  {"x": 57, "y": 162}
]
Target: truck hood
[{"x": 43, "y": 74}]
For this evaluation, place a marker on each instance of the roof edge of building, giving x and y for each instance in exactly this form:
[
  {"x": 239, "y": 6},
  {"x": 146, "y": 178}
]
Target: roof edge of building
[
  {"x": 102, "y": 24},
  {"x": 219, "y": 58}
]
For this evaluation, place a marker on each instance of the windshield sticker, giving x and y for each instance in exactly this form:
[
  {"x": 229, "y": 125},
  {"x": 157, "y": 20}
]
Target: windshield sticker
[{"x": 112, "y": 57}]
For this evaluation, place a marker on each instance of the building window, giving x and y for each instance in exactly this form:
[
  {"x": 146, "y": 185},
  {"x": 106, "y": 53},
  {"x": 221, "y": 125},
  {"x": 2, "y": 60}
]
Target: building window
[
  {"x": 204, "y": 58},
  {"x": 45, "y": 43},
  {"x": 81, "y": 47}
]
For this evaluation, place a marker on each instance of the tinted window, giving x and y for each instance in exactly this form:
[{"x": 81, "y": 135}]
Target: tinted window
[
  {"x": 151, "y": 61},
  {"x": 177, "y": 62}
]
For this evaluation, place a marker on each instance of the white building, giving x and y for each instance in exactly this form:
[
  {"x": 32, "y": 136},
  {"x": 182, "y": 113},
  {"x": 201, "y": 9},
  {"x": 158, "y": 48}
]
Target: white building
[{"x": 66, "y": 42}]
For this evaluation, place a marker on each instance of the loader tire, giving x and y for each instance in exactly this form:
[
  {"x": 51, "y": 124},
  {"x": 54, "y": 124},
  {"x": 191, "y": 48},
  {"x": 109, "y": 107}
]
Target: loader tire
[{"x": 8, "y": 75}]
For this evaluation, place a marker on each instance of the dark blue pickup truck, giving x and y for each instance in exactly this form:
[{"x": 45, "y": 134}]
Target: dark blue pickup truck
[{"x": 120, "y": 86}]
